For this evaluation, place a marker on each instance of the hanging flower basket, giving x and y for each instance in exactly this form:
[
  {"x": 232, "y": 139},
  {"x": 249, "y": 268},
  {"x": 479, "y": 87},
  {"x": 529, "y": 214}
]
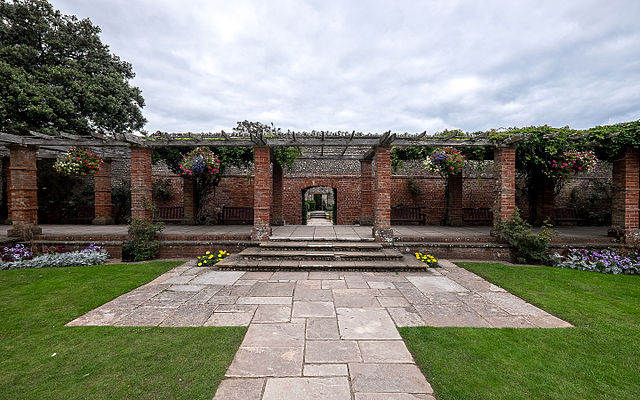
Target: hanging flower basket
[
  {"x": 445, "y": 161},
  {"x": 200, "y": 163},
  {"x": 571, "y": 163},
  {"x": 78, "y": 161}
]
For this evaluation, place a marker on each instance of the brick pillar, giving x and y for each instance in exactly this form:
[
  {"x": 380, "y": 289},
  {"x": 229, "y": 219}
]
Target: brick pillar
[
  {"x": 366, "y": 193},
  {"x": 504, "y": 173},
  {"x": 454, "y": 200},
  {"x": 382, "y": 198},
  {"x": 6, "y": 184},
  {"x": 276, "y": 210},
  {"x": 545, "y": 201},
  {"x": 141, "y": 183},
  {"x": 102, "y": 195},
  {"x": 189, "y": 200},
  {"x": 23, "y": 191},
  {"x": 624, "y": 204},
  {"x": 261, "y": 194}
]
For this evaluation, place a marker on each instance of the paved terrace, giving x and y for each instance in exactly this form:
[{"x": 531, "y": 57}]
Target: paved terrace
[
  {"x": 566, "y": 234},
  {"x": 321, "y": 334}
]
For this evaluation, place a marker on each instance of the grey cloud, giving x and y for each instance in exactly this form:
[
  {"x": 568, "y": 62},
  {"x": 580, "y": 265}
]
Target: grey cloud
[{"x": 374, "y": 66}]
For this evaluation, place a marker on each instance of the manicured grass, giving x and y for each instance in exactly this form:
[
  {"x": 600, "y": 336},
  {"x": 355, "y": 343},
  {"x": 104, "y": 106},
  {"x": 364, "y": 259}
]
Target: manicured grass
[
  {"x": 100, "y": 362},
  {"x": 598, "y": 359}
]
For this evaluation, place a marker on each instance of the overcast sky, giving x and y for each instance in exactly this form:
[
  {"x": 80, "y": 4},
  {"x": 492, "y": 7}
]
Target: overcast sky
[{"x": 405, "y": 66}]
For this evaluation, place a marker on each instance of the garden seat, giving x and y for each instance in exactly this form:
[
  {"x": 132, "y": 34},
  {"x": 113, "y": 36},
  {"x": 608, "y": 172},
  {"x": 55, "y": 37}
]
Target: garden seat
[
  {"x": 407, "y": 215},
  {"x": 566, "y": 215},
  {"x": 235, "y": 216},
  {"x": 477, "y": 216},
  {"x": 170, "y": 214}
]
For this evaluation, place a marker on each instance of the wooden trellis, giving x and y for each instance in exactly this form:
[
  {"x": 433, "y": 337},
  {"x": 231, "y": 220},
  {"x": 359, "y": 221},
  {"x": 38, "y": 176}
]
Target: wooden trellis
[{"x": 314, "y": 144}]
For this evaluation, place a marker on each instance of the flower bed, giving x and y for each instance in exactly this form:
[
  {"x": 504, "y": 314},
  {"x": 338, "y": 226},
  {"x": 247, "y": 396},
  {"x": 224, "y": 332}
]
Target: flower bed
[
  {"x": 607, "y": 261},
  {"x": 210, "y": 258},
  {"x": 200, "y": 162},
  {"x": 445, "y": 161},
  {"x": 573, "y": 162},
  {"x": 428, "y": 259},
  {"x": 20, "y": 257},
  {"x": 78, "y": 161}
]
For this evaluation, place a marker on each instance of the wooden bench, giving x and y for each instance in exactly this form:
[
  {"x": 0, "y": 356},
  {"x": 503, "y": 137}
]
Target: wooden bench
[
  {"x": 235, "y": 216},
  {"x": 567, "y": 215},
  {"x": 169, "y": 214},
  {"x": 407, "y": 215},
  {"x": 477, "y": 216}
]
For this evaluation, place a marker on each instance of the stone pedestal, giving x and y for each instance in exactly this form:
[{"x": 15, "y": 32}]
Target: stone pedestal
[
  {"x": 141, "y": 183},
  {"x": 102, "y": 195},
  {"x": 262, "y": 194},
  {"x": 382, "y": 197},
  {"x": 23, "y": 192}
]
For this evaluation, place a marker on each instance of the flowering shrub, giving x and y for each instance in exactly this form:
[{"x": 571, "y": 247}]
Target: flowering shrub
[
  {"x": 445, "y": 161},
  {"x": 427, "y": 259},
  {"x": 572, "y": 162},
  {"x": 92, "y": 255},
  {"x": 200, "y": 162},
  {"x": 78, "y": 161},
  {"x": 607, "y": 261},
  {"x": 210, "y": 258}
]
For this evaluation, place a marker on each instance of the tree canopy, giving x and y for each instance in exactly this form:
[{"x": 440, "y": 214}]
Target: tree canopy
[{"x": 57, "y": 75}]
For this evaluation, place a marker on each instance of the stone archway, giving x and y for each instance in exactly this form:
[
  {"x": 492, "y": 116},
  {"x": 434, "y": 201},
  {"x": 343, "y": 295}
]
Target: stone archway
[{"x": 321, "y": 198}]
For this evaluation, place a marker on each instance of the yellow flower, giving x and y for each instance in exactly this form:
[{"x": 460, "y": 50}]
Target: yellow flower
[
  {"x": 199, "y": 264},
  {"x": 208, "y": 252},
  {"x": 211, "y": 256}
]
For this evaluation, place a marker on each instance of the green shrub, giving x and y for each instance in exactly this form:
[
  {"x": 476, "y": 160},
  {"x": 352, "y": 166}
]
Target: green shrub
[
  {"x": 142, "y": 245},
  {"x": 528, "y": 246},
  {"x": 311, "y": 205}
]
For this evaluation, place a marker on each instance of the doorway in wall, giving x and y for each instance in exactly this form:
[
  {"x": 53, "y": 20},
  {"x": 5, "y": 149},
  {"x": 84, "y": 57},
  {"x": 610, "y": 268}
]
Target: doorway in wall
[{"x": 319, "y": 202}]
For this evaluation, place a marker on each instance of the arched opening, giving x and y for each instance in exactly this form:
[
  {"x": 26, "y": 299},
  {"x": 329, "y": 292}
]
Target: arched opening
[{"x": 319, "y": 203}]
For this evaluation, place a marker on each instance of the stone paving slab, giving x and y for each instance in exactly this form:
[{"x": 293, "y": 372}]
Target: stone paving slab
[
  {"x": 333, "y": 388},
  {"x": 321, "y": 334}
]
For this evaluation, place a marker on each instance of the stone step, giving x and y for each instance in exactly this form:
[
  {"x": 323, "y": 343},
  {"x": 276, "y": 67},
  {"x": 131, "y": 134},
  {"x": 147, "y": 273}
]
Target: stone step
[
  {"x": 307, "y": 254},
  {"x": 322, "y": 246},
  {"x": 234, "y": 262},
  {"x": 321, "y": 239}
]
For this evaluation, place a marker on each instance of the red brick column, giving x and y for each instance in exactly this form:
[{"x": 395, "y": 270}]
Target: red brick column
[
  {"x": 504, "y": 172},
  {"x": 454, "y": 200},
  {"x": 102, "y": 195},
  {"x": 382, "y": 198},
  {"x": 626, "y": 188},
  {"x": 189, "y": 200},
  {"x": 276, "y": 210},
  {"x": 23, "y": 191},
  {"x": 366, "y": 193},
  {"x": 261, "y": 194},
  {"x": 141, "y": 183}
]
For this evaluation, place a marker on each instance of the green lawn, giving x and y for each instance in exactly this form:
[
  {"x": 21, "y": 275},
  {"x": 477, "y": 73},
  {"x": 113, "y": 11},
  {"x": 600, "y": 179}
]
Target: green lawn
[
  {"x": 598, "y": 359},
  {"x": 100, "y": 362}
]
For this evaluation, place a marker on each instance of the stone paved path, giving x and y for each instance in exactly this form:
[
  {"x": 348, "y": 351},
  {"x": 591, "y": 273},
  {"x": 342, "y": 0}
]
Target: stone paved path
[{"x": 324, "y": 334}]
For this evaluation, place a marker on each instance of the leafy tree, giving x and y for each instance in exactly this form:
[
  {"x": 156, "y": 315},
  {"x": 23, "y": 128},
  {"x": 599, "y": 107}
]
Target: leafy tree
[{"x": 57, "y": 75}]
